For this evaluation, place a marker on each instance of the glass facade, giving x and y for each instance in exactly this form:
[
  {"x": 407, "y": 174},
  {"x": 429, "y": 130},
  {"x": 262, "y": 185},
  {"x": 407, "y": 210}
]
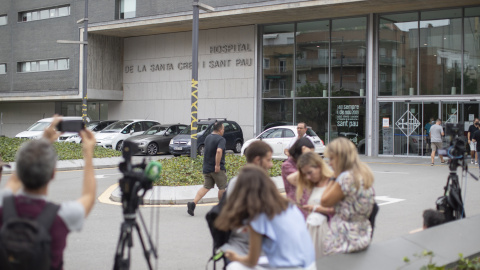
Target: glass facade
[{"x": 308, "y": 70}]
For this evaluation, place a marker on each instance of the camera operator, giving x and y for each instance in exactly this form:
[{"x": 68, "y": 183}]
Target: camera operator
[
  {"x": 436, "y": 133},
  {"x": 476, "y": 137},
  {"x": 35, "y": 168}
]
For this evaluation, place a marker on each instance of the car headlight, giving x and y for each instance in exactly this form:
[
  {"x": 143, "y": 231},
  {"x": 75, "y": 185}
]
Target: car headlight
[
  {"x": 189, "y": 142},
  {"x": 171, "y": 141}
]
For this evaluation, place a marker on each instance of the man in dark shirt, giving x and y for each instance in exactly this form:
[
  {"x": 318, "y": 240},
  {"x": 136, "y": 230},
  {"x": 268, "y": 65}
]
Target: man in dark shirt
[
  {"x": 213, "y": 166},
  {"x": 472, "y": 144},
  {"x": 476, "y": 137}
]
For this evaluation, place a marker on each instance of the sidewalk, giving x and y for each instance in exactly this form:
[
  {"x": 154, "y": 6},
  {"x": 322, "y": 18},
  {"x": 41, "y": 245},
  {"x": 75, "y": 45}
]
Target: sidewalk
[{"x": 184, "y": 194}]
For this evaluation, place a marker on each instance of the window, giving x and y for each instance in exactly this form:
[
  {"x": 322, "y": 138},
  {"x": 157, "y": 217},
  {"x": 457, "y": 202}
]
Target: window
[
  {"x": 43, "y": 65},
  {"x": 266, "y": 63},
  {"x": 127, "y": 9},
  {"x": 3, "y": 68},
  {"x": 42, "y": 14},
  {"x": 3, "y": 19},
  {"x": 283, "y": 65}
]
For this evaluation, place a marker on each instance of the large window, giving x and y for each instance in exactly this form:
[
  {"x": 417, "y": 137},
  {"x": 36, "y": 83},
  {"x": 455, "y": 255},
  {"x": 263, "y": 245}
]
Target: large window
[
  {"x": 127, "y": 9},
  {"x": 3, "y": 68},
  {"x": 42, "y": 14},
  {"x": 426, "y": 53},
  {"x": 3, "y": 19},
  {"x": 43, "y": 65}
]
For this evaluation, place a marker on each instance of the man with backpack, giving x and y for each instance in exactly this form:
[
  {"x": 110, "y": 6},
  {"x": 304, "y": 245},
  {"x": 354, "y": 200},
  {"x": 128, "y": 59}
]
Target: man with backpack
[{"x": 34, "y": 231}]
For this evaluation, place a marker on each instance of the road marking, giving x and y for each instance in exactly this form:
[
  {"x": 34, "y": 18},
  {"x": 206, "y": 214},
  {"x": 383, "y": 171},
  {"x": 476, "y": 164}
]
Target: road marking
[{"x": 387, "y": 200}]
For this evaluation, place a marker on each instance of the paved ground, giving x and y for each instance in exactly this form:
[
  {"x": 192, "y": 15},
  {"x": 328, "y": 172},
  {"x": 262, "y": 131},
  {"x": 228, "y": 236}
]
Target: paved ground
[{"x": 184, "y": 241}]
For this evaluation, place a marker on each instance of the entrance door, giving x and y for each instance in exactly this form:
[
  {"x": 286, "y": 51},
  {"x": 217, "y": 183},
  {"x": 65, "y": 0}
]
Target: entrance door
[
  {"x": 408, "y": 129},
  {"x": 430, "y": 115}
]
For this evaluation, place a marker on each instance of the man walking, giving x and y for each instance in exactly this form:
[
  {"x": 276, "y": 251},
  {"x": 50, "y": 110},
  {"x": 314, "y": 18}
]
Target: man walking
[
  {"x": 436, "y": 133},
  {"x": 472, "y": 143},
  {"x": 213, "y": 166}
]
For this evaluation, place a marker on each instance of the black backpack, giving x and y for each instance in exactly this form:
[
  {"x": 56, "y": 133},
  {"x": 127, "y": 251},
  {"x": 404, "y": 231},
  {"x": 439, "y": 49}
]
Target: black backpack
[
  {"x": 25, "y": 243},
  {"x": 219, "y": 237}
]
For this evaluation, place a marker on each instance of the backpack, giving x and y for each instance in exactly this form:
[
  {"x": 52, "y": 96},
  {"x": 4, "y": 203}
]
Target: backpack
[
  {"x": 219, "y": 237},
  {"x": 25, "y": 243}
]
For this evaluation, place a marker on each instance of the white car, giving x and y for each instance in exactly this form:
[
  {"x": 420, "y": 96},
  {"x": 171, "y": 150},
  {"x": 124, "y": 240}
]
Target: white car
[
  {"x": 113, "y": 135},
  {"x": 35, "y": 131},
  {"x": 279, "y": 137}
]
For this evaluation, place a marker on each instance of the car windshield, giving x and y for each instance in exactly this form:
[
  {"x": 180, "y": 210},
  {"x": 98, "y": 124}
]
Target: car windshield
[
  {"x": 200, "y": 129},
  {"x": 39, "y": 126},
  {"x": 117, "y": 125},
  {"x": 92, "y": 125},
  {"x": 157, "y": 130}
]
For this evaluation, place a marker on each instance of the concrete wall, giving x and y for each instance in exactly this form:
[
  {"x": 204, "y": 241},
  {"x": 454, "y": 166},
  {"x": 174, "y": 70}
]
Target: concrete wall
[
  {"x": 15, "y": 122},
  {"x": 157, "y": 78},
  {"x": 105, "y": 58}
]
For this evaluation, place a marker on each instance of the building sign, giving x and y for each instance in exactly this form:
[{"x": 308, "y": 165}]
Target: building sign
[
  {"x": 348, "y": 115},
  {"x": 211, "y": 64}
]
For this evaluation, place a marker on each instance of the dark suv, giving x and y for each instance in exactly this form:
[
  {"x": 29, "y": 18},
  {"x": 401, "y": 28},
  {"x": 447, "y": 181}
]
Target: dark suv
[{"x": 180, "y": 144}]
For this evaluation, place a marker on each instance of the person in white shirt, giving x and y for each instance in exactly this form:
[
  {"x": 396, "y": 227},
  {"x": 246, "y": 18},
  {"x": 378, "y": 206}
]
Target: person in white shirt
[{"x": 302, "y": 132}]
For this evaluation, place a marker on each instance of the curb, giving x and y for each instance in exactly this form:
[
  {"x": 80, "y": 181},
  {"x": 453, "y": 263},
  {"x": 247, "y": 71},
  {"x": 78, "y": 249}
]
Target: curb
[{"x": 165, "y": 195}]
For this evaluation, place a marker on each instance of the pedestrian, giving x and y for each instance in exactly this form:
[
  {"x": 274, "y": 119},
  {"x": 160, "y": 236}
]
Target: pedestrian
[
  {"x": 436, "y": 133},
  {"x": 476, "y": 138},
  {"x": 290, "y": 171},
  {"x": 352, "y": 197},
  {"x": 314, "y": 174},
  {"x": 301, "y": 132},
  {"x": 214, "y": 172},
  {"x": 276, "y": 226},
  {"x": 27, "y": 188},
  {"x": 427, "y": 132},
  {"x": 258, "y": 153},
  {"x": 473, "y": 145}
]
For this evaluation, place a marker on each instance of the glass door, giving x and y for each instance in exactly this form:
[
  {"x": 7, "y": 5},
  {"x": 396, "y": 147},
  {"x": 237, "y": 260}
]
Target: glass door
[
  {"x": 431, "y": 112},
  {"x": 408, "y": 132}
]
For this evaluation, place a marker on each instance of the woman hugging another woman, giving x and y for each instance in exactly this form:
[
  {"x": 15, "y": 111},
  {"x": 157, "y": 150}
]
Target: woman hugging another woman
[{"x": 352, "y": 197}]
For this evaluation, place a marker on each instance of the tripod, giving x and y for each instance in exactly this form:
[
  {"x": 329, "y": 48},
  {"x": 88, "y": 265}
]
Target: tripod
[{"x": 122, "y": 260}]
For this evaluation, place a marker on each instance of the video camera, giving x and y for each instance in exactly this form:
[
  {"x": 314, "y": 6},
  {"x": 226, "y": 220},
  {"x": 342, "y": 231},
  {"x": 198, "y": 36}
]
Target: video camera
[
  {"x": 136, "y": 181},
  {"x": 457, "y": 147}
]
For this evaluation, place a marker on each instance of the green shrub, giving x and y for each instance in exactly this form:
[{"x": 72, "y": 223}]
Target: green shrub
[
  {"x": 183, "y": 171},
  {"x": 65, "y": 151}
]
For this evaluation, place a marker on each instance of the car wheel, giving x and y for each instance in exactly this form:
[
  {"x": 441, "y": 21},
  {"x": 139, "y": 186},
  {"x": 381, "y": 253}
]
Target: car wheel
[
  {"x": 201, "y": 150},
  {"x": 119, "y": 146},
  {"x": 152, "y": 149},
  {"x": 238, "y": 147}
]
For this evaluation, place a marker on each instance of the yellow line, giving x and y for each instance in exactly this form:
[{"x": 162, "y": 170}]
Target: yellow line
[{"x": 385, "y": 163}]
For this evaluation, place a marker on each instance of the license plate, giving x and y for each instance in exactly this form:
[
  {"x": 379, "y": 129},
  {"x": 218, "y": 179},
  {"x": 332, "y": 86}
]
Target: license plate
[{"x": 177, "y": 148}]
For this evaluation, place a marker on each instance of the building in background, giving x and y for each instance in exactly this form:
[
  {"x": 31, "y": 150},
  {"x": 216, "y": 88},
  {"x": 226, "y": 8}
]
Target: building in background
[{"x": 366, "y": 70}]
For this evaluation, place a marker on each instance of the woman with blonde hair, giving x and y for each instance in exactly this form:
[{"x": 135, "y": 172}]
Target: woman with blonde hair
[
  {"x": 314, "y": 174},
  {"x": 352, "y": 197},
  {"x": 276, "y": 227}
]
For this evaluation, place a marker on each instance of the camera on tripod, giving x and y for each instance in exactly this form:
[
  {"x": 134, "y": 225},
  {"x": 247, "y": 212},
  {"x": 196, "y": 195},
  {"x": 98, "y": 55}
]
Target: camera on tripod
[
  {"x": 457, "y": 147},
  {"x": 136, "y": 181}
]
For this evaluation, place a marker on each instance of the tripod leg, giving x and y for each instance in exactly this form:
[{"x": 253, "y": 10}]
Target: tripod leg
[
  {"x": 122, "y": 263},
  {"x": 146, "y": 253},
  {"x": 149, "y": 238}
]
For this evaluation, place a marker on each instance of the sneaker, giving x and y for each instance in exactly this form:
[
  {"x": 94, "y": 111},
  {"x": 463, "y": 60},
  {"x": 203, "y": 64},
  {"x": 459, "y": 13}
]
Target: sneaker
[
  {"x": 476, "y": 162},
  {"x": 473, "y": 162},
  {"x": 191, "y": 208}
]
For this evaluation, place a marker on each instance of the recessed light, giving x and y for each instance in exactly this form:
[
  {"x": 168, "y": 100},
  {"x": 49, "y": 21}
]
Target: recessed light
[{"x": 425, "y": 44}]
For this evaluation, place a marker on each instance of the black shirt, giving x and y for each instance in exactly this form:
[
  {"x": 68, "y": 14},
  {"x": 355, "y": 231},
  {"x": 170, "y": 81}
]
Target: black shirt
[
  {"x": 472, "y": 129},
  {"x": 476, "y": 136},
  {"x": 212, "y": 143}
]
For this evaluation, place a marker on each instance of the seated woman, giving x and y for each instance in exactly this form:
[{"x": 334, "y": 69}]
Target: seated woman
[
  {"x": 352, "y": 197},
  {"x": 276, "y": 227},
  {"x": 313, "y": 178},
  {"x": 289, "y": 170}
]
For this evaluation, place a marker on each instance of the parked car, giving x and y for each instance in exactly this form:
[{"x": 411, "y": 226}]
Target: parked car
[
  {"x": 94, "y": 126},
  {"x": 35, "y": 131},
  {"x": 279, "y": 138},
  {"x": 114, "y": 134},
  {"x": 180, "y": 144},
  {"x": 157, "y": 138}
]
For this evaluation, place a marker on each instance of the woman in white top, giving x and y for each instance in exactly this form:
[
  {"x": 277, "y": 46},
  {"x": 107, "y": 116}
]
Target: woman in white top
[{"x": 313, "y": 177}]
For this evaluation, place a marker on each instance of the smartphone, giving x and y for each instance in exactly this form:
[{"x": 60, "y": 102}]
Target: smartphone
[{"x": 70, "y": 126}]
